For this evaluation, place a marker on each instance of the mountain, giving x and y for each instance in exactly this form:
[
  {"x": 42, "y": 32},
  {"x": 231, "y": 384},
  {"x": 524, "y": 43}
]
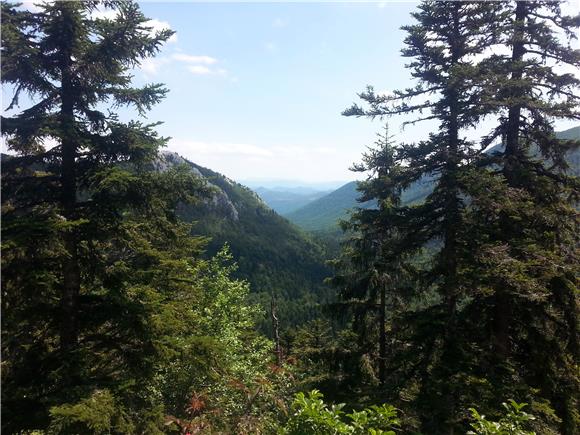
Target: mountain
[
  {"x": 323, "y": 214},
  {"x": 291, "y": 185},
  {"x": 273, "y": 255},
  {"x": 286, "y": 200}
]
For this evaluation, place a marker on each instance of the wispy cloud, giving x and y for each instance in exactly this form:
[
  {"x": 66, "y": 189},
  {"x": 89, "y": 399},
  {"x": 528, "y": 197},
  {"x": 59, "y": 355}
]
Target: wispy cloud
[
  {"x": 190, "y": 149},
  {"x": 158, "y": 26},
  {"x": 242, "y": 160},
  {"x": 105, "y": 14},
  {"x": 188, "y": 58},
  {"x": 199, "y": 69},
  {"x": 33, "y": 6},
  {"x": 151, "y": 65},
  {"x": 195, "y": 64},
  {"x": 199, "y": 65}
]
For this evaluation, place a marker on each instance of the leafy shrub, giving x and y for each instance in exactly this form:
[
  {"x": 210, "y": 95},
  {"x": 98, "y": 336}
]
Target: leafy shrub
[
  {"x": 311, "y": 415},
  {"x": 511, "y": 423}
]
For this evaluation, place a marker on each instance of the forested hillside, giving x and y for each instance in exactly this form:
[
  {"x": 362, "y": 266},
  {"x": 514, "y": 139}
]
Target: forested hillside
[
  {"x": 325, "y": 212},
  {"x": 274, "y": 256},
  {"x": 145, "y": 294}
]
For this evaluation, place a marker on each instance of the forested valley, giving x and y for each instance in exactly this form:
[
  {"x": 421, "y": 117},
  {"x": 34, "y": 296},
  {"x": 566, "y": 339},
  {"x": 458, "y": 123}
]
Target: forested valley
[{"x": 143, "y": 293}]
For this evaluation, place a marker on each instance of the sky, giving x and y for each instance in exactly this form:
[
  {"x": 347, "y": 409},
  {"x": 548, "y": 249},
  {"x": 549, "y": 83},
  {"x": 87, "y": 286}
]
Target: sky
[
  {"x": 262, "y": 93},
  {"x": 257, "y": 89}
]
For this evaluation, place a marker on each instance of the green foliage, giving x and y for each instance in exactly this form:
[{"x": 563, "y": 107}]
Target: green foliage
[
  {"x": 327, "y": 357},
  {"x": 219, "y": 343},
  {"x": 493, "y": 309},
  {"x": 311, "y": 415},
  {"x": 512, "y": 423},
  {"x": 98, "y": 414}
]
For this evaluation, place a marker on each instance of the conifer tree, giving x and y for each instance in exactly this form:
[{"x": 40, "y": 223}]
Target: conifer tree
[
  {"x": 93, "y": 259},
  {"x": 442, "y": 45},
  {"x": 505, "y": 221},
  {"x": 367, "y": 268},
  {"x": 535, "y": 307}
]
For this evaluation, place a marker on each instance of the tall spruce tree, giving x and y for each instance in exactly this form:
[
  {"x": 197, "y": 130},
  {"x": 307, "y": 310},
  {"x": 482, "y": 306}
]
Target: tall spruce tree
[
  {"x": 443, "y": 45},
  {"x": 94, "y": 263},
  {"x": 534, "y": 320},
  {"x": 505, "y": 221},
  {"x": 367, "y": 269}
]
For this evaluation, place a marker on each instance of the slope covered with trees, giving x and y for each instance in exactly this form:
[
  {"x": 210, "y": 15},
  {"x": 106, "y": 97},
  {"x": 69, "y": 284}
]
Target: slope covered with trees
[
  {"x": 325, "y": 212},
  {"x": 274, "y": 256}
]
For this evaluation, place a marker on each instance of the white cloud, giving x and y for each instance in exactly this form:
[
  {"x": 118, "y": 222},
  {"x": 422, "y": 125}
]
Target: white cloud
[
  {"x": 104, "y": 14},
  {"x": 157, "y": 26},
  {"x": 244, "y": 160},
  {"x": 199, "y": 69},
  {"x": 34, "y": 5},
  {"x": 151, "y": 65},
  {"x": 188, "y": 58},
  {"x": 570, "y": 7},
  {"x": 194, "y": 148},
  {"x": 198, "y": 65}
]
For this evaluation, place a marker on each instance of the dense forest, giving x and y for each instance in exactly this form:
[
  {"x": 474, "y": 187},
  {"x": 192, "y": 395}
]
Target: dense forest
[{"x": 145, "y": 294}]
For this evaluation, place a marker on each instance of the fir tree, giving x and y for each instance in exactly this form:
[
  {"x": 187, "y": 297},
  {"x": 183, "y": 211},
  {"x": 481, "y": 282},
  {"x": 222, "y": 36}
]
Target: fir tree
[
  {"x": 367, "y": 268},
  {"x": 504, "y": 221},
  {"x": 93, "y": 258},
  {"x": 442, "y": 45},
  {"x": 535, "y": 306}
]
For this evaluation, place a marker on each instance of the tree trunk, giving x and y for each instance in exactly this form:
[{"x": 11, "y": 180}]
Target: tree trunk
[
  {"x": 452, "y": 221},
  {"x": 70, "y": 266},
  {"x": 276, "y": 330},
  {"x": 452, "y": 215},
  {"x": 512, "y": 155},
  {"x": 382, "y": 337}
]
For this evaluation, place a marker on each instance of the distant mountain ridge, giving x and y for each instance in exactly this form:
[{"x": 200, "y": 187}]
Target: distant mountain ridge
[
  {"x": 324, "y": 213},
  {"x": 290, "y": 184},
  {"x": 286, "y": 200}
]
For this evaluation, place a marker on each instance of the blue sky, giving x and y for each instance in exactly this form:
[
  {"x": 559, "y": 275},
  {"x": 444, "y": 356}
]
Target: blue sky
[{"x": 256, "y": 89}]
